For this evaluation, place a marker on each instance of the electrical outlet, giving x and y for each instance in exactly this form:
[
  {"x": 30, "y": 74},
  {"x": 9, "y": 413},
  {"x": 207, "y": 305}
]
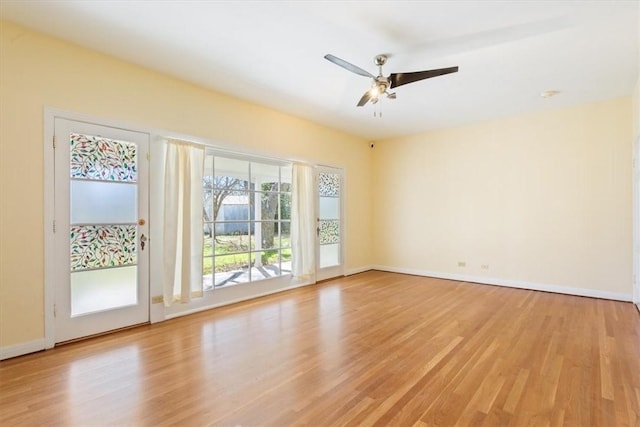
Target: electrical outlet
[
  {"x": 158, "y": 299},
  {"x": 462, "y": 264}
]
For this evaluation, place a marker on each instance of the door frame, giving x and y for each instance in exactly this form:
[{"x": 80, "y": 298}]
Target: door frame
[
  {"x": 339, "y": 270},
  {"x": 50, "y": 116},
  {"x": 635, "y": 172}
]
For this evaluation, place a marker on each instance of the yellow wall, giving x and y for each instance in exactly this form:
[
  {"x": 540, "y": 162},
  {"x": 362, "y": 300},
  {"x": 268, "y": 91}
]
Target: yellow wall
[
  {"x": 636, "y": 107},
  {"x": 38, "y": 71},
  {"x": 543, "y": 198}
]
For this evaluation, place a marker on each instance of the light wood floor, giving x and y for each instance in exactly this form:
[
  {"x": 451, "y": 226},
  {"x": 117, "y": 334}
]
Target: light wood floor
[{"x": 372, "y": 349}]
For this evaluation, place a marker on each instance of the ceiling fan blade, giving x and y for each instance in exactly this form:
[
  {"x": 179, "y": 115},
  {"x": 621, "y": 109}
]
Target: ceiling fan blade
[
  {"x": 365, "y": 98},
  {"x": 348, "y": 66},
  {"x": 391, "y": 95},
  {"x": 399, "y": 79}
]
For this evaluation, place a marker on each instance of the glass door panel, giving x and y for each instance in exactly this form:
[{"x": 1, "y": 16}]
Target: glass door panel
[
  {"x": 103, "y": 221},
  {"x": 103, "y": 289},
  {"x": 103, "y": 202}
]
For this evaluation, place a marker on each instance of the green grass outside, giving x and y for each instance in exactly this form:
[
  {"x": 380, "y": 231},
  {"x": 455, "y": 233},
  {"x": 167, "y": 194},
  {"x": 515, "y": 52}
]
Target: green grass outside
[{"x": 227, "y": 257}]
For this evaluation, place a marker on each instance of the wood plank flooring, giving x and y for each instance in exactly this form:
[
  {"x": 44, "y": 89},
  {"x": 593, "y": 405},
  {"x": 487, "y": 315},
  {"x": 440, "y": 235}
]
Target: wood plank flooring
[{"x": 376, "y": 348}]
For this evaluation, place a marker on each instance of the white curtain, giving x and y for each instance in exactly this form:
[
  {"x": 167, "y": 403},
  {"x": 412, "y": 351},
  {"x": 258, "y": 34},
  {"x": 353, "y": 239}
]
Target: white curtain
[
  {"x": 303, "y": 222},
  {"x": 183, "y": 232}
]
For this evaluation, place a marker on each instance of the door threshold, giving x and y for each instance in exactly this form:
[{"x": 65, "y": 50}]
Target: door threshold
[{"x": 100, "y": 334}]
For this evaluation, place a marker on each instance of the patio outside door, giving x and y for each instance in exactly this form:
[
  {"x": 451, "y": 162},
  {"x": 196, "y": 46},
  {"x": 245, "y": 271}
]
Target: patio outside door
[{"x": 101, "y": 229}]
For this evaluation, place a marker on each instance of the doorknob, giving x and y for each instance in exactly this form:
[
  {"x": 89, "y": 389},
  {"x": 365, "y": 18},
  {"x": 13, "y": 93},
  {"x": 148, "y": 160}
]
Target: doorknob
[{"x": 143, "y": 241}]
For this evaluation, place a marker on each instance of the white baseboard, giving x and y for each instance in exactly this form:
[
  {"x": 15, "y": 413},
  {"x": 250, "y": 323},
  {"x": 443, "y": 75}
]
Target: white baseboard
[
  {"x": 362, "y": 269},
  {"x": 511, "y": 283},
  {"x": 21, "y": 349},
  {"x": 233, "y": 301}
]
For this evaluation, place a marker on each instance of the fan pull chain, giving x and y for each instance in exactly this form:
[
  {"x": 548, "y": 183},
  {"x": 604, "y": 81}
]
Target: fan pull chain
[{"x": 376, "y": 112}]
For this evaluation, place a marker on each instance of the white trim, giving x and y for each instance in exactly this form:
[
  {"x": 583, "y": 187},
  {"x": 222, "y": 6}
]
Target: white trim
[
  {"x": 49, "y": 238},
  {"x": 237, "y": 292},
  {"x": 635, "y": 178},
  {"x": 593, "y": 293},
  {"x": 21, "y": 349},
  {"x": 234, "y": 301},
  {"x": 236, "y": 148},
  {"x": 356, "y": 270},
  {"x": 343, "y": 221},
  {"x": 156, "y": 219}
]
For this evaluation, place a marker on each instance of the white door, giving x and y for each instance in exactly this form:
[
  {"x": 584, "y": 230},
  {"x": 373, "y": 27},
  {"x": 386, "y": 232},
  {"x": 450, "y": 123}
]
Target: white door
[
  {"x": 101, "y": 229},
  {"x": 329, "y": 248}
]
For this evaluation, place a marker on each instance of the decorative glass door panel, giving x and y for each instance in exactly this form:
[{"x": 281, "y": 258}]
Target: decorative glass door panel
[
  {"x": 101, "y": 206},
  {"x": 102, "y": 232},
  {"x": 329, "y": 227}
]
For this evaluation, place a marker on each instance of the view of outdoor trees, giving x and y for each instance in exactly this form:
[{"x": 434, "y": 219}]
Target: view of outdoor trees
[
  {"x": 246, "y": 226},
  {"x": 218, "y": 188}
]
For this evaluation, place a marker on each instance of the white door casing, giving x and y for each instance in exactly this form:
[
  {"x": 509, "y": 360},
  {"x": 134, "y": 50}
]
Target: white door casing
[{"x": 636, "y": 222}]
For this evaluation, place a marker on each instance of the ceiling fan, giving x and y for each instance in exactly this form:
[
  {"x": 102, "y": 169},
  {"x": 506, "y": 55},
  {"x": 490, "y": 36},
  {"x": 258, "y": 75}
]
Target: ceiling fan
[{"x": 381, "y": 84}]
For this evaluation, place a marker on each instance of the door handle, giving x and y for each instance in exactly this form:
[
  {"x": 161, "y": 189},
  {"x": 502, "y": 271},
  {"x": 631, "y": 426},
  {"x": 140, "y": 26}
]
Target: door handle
[{"x": 143, "y": 241}]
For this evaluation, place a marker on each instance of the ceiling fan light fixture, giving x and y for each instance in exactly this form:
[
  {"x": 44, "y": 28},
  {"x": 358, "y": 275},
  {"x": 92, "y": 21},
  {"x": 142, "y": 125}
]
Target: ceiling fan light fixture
[{"x": 381, "y": 84}]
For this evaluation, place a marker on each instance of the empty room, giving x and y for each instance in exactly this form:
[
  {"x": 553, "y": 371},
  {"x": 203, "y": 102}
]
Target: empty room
[{"x": 324, "y": 213}]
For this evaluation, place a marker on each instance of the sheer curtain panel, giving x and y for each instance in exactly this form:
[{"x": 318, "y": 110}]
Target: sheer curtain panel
[
  {"x": 183, "y": 238},
  {"x": 303, "y": 222}
]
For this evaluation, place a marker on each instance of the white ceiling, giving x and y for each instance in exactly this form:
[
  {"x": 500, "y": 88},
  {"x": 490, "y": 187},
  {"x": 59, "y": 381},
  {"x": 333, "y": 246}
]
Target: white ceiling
[{"x": 271, "y": 53}]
